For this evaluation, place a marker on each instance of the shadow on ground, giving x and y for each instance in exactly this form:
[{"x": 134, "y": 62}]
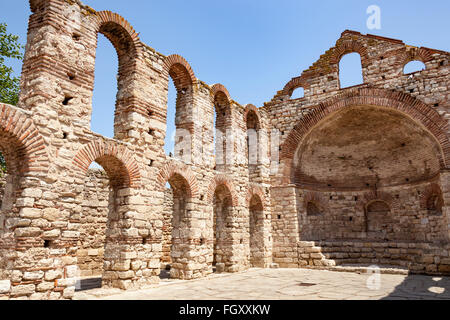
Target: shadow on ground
[{"x": 421, "y": 287}]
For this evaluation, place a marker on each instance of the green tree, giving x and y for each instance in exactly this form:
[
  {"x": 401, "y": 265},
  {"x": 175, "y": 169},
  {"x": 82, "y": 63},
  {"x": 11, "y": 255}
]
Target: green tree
[{"x": 9, "y": 84}]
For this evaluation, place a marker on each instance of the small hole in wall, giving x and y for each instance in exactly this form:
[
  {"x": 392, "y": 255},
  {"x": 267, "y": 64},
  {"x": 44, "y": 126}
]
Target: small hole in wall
[
  {"x": 144, "y": 240},
  {"x": 150, "y": 113},
  {"x": 356, "y": 198},
  {"x": 403, "y": 144},
  {"x": 324, "y": 91},
  {"x": 397, "y": 196},
  {"x": 64, "y": 135},
  {"x": 418, "y": 192},
  {"x": 202, "y": 197},
  {"x": 151, "y": 131},
  {"x": 441, "y": 63},
  {"x": 411, "y": 90},
  {"x": 76, "y": 36},
  {"x": 267, "y": 216},
  {"x": 241, "y": 241},
  {"x": 329, "y": 185},
  {"x": 381, "y": 58},
  {"x": 367, "y": 185},
  {"x": 47, "y": 243},
  {"x": 407, "y": 179},
  {"x": 278, "y": 217},
  {"x": 383, "y": 77},
  {"x": 67, "y": 100},
  {"x": 202, "y": 241},
  {"x": 350, "y": 219},
  {"x": 436, "y": 104},
  {"x": 150, "y": 163},
  {"x": 331, "y": 197},
  {"x": 410, "y": 161},
  {"x": 214, "y": 168},
  {"x": 71, "y": 76}
]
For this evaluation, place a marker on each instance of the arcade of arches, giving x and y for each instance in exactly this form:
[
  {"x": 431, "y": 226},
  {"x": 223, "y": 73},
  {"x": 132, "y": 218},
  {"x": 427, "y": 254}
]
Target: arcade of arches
[{"x": 357, "y": 175}]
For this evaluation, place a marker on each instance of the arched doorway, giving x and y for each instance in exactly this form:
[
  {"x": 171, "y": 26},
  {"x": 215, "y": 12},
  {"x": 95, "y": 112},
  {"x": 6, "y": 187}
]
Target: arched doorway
[{"x": 256, "y": 232}]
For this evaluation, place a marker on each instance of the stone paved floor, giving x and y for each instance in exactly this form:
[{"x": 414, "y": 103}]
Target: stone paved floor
[{"x": 286, "y": 284}]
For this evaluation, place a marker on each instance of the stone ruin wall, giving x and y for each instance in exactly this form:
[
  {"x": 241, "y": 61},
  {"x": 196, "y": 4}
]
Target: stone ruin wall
[
  {"x": 62, "y": 220},
  {"x": 340, "y": 229}
]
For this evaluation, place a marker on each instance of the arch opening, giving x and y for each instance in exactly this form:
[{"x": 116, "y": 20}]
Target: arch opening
[
  {"x": 350, "y": 70},
  {"x": 106, "y": 81},
  {"x": 180, "y": 118},
  {"x": 256, "y": 232},
  {"x": 175, "y": 221},
  {"x": 103, "y": 207},
  {"x": 222, "y": 123},
  {"x": 413, "y": 66},
  {"x": 253, "y": 127},
  {"x": 298, "y": 93},
  {"x": 222, "y": 224}
]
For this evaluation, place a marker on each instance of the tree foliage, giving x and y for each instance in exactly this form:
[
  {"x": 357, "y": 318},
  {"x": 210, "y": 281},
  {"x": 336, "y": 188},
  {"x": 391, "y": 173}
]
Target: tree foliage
[{"x": 10, "y": 48}]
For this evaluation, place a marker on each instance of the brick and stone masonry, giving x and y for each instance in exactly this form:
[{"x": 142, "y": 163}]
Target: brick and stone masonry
[{"x": 360, "y": 175}]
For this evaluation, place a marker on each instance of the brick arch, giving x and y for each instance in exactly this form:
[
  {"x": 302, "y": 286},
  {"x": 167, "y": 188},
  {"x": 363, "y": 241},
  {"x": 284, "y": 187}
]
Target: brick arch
[
  {"x": 181, "y": 72},
  {"x": 22, "y": 144},
  {"x": 315, "y": 197},
  {"x": 220, "y": 180},
  {"x": 414, "y": 54},
  {"x": 255, "y": 190},
  {"x": 117, "y": 160},
  {"x": 218, "y": 87},
  {"x": 122, "y": 36},
  {"x": 373, "y": 196},
  {"x": 177, "y": 169},
  {"x": 431, "y": 190},
  {"x": 298, "y": 82},
  {"x": 404, "y": 103},
  {"x": 251, "y": 108},
  {"x": 349, "y": 46}
]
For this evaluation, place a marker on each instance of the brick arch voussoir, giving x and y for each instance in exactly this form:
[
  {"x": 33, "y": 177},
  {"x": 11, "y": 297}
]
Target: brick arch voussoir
[
  {"x": 251, "y": 107},
  {"x": 176, "y": 59},
  {"x": 346, "y": 47},
  {"x": 402, "y": 102},
  {"x": 99, "y": 149},
  {"x": 104, "y": 17},
  {"x": 171, "y": 169},
  {"x": 317, "y": 198},
  {"x": 414, "y": 54},
  {"x": 298, "y": 82},
  {"x": 255, "y": 190},
  {"x": 218, "y": 181},
  {"x": 30, "y": 144},
  {"x": 216, "y": 88},
  {"x": 373, "y": 196}
]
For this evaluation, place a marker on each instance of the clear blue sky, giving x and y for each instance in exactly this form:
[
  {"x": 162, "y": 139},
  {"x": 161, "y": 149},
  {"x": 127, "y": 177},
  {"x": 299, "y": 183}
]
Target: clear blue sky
[{"x": 253, "y": 47}]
